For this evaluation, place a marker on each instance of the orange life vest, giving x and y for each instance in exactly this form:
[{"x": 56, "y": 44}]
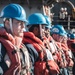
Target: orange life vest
[
  {"x": 66, "y": 52},
  {"x": 41, "y": 65},
  {"x": 8, "y": 41},
  {"x": 70, "y": 42}
]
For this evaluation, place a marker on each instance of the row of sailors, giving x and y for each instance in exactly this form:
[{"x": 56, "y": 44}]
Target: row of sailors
[{"x": 34, "y": 51}]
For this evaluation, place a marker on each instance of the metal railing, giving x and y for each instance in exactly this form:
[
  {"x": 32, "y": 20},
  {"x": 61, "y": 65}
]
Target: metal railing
[{"x": 68, "y": 22}]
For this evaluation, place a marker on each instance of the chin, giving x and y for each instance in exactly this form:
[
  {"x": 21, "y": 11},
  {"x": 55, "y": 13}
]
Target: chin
[{"x": 20, "y": 35}]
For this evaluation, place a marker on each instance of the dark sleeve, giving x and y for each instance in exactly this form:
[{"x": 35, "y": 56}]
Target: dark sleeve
[
  {"x": 4, "y": 66},
  {"x": 32, "y": 53},
  {"x": 2, "y": 55}
]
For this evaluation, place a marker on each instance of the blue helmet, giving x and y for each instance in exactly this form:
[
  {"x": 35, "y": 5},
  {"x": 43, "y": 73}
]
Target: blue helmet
[
  {"x": 48, "y": 22},
  {"x": 72, "y": 36},
  {"x": 36, "y": 18},
  {"x": 58, "y": 29},
  {"x": 14, "y": 11}
]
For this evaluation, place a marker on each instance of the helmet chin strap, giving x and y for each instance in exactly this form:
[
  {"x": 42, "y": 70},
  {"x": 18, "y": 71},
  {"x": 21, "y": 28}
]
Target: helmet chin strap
[
  {"x": 10, "y": 21},
  {"x": 40, "y": 32}
]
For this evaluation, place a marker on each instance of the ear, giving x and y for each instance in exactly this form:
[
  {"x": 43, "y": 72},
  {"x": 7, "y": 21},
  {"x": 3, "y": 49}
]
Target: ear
[{"x": 36, "y": 30}]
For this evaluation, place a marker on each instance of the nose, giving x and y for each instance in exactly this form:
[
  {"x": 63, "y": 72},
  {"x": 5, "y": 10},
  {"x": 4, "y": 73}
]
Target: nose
[{"x": 23, "y": 25}]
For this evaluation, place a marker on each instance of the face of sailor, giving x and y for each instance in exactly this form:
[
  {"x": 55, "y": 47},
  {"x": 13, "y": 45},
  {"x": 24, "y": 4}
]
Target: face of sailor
[
  {"x": 39, "y": 31},
  {"x": 47, "y": 32},
  {"x": 18, "y": 27},
  {"x": 42, "y": 30},
  {"x": 57, "y": 37},
  {"x": 65, "y": 39}
]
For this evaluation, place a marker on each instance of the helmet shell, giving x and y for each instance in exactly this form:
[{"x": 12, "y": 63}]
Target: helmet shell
[
  {"x": 48, "y": 22},
  {"x": 72, "y": 36},
  {"x": 36, "y": 18},
  {"x": 14, "y": 11},
  {"x": 58, "y": 29}
]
